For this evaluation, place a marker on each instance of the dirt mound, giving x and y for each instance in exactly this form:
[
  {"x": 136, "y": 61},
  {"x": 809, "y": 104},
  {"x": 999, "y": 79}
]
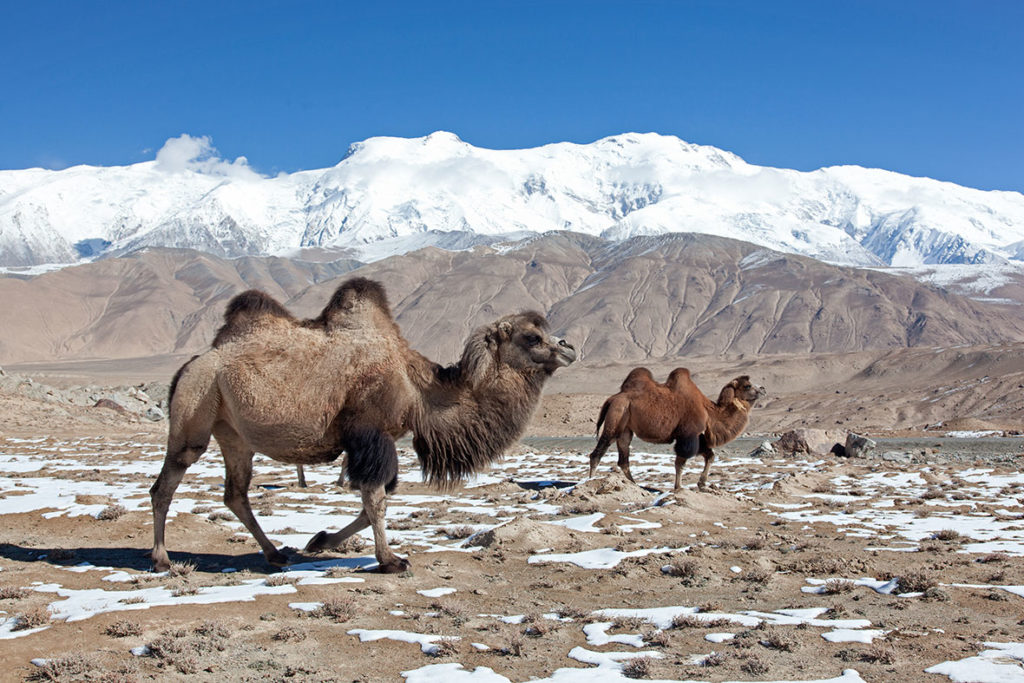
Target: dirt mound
[
  {"x": 608, "y": 492},
  {"x": 526, "y": 534},
  {"x": 500, "y": 488},
  {"x": 704, "y": 503},
  {"x": 969, "y": 424},
  {"x": 800, "y": 484}
]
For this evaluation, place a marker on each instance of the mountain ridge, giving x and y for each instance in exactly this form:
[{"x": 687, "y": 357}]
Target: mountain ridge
[{"x": 388, "y": 195}]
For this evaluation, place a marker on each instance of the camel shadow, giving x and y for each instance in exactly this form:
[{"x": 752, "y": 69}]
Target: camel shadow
[{"x": 137, "y": 559}]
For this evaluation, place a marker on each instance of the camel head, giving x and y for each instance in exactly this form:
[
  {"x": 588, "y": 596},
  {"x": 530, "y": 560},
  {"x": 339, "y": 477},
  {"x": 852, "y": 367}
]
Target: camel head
[
  {"x": 519, "y": 341},
  {"x": 741, "y": 389}
]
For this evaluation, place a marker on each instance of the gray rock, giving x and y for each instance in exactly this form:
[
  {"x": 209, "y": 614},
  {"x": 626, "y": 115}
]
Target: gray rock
[
  {"x": 764, "y": 449},
  {"x": 858, "y": 446},
  {"x": 810, "y": 441},
  {"x": 898, "y": 457},
  {"x": 155, "y": 414}
]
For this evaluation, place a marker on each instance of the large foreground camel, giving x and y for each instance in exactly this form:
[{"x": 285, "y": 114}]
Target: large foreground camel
[
  {"x": 303, "y": 391},
  {"x": 674, "y": 411}
]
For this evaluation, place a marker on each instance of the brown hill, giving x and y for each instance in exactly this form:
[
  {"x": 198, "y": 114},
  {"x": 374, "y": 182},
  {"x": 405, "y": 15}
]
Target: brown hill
[{"x": 663, "y": 297}]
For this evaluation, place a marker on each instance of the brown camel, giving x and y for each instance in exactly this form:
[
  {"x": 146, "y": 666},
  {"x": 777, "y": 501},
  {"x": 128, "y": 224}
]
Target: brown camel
[
  {"x": 673, "y": 411},
  {"x": 301, "y": 392}
]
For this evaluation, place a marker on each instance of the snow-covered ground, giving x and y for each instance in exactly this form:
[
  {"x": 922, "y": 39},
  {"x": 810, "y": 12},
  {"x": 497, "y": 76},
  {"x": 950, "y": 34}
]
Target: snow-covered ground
[{"x": 887, "y": 512}]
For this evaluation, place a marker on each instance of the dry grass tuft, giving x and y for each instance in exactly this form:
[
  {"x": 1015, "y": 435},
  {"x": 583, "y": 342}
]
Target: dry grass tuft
[
  {"x": 879, "y": 653},
  {"x": 183, "y": 587},
  {"x": 280, "y": 579},
  {"x": 993, "y": 557},
  {"x": 629, "y": 623},
  {"x": 336, "y": 609},
  {"x": 186, "y": 650},
  {"x": 947, "y": 535},
  {"x": 755, "y": 543},
  {"x": 775, "y": 639},
  {"x": 289, "y": 634},
  {"x": 123, "y": 628},
  {"x": 456, "y": 533},
  {"x": 181, "y": 569},
  {"x": 916, "y": 582},
  {"x": 758, "y": 575},
  {"x": 12, "y": 593},
  {"x": 837, "y": 586},
  {"x": 73, "y": 667},
  {"x": 33, "y": 618},
  {"x": 111, "y": 512},
  {"x": 754, "y": 664},
  {"x": 447, "y": 647},
  {"x": 638, "y": 667},
  {"x": 714, "y": 659}
]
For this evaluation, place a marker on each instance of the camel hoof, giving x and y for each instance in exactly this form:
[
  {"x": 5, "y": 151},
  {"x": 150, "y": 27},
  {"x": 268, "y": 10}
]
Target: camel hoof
[
  {"x": 161, "y": 565},
  {"x": 396, "y": 566},
  {"x": 277, "y": 559},
  {"x": 317, "y": 543}
]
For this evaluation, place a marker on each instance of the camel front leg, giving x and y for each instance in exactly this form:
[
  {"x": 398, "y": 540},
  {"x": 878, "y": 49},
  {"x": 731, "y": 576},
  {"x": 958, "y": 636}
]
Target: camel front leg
[
  {"x": 685, "y": 448},
  {"x": 237, "y": 477},
  {"x": 622, "y": 444},
  {"x": 375, "y": 508},
  {"x": 301, "y": 475}
]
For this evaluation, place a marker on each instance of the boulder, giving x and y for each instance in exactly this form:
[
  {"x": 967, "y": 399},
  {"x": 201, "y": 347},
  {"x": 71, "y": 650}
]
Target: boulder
[
  {"x": 154, "y": 413},
  {"x": 810, "y": 441},
  {"x": 763, "y": 450},
  {"x": 858, "y": 446},
  {"x": 110, "y": 405},
  {"x": 897, "y": 457}
]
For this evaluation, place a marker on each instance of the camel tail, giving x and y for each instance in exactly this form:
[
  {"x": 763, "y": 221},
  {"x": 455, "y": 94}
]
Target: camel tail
[
  {"x": 601, "y": 416},
  {"x": 177, "y": 378}
]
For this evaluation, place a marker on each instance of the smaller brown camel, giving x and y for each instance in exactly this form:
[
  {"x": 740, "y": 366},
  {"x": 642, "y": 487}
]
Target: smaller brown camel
[
  {"x": 304, "y": 391},
  {"x": 674, "y": 411}
]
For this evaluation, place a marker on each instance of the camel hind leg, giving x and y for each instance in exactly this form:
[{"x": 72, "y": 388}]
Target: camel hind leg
[
  {"x": 613, "y": 417},
  {"x": 193, "y": 410},
  {"x": 603, "y": 442},
  {"x": 178, "y": 459},
  {"x": 237, "y": 477}
]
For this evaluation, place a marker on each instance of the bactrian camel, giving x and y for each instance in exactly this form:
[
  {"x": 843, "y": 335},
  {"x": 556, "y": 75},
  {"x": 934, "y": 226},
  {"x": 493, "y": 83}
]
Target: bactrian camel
[
  {"x": 674, "y": 411},
  {"x": 304, "y": 391}
]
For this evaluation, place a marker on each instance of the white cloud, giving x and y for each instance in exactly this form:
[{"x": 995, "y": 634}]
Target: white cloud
[{"x": 188, "y": 153}]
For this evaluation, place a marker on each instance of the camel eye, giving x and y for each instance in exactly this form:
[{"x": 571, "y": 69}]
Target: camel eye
[{"x": 532, "y": 339}]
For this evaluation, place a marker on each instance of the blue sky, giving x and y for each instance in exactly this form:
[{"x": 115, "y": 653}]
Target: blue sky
[{"x": 926, "y": 88}]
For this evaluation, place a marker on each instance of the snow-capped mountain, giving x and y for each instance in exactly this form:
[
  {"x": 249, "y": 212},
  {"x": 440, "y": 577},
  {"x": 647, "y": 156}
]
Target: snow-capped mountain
[{"x": 389, "y": 195}]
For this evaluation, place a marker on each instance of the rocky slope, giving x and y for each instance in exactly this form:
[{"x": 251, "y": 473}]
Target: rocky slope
[{"x": 672, "y": 296}]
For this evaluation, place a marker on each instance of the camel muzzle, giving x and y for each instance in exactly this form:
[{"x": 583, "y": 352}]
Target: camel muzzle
[{"x": 566, "y": 351}]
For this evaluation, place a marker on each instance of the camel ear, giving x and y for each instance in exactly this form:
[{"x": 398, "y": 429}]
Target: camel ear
[{"x": 505, "y": 330}]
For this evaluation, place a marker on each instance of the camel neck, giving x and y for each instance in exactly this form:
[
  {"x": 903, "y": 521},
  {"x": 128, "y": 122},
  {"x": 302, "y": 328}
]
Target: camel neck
[{"x": 460, "y": 428}]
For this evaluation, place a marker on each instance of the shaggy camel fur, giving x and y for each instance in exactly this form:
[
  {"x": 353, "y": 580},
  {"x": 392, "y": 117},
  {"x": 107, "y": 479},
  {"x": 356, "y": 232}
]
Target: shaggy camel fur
[
  {"x": 303, "y": 391},
  {"x": 673, "y": 411}
]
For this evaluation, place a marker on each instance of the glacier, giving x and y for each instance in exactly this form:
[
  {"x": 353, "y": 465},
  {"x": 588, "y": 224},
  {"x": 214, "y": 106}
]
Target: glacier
[{"x": 389, "y": 195}]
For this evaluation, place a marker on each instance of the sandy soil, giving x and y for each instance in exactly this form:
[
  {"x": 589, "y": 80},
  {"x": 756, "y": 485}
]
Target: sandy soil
[{"x": 771, "y": 531}]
